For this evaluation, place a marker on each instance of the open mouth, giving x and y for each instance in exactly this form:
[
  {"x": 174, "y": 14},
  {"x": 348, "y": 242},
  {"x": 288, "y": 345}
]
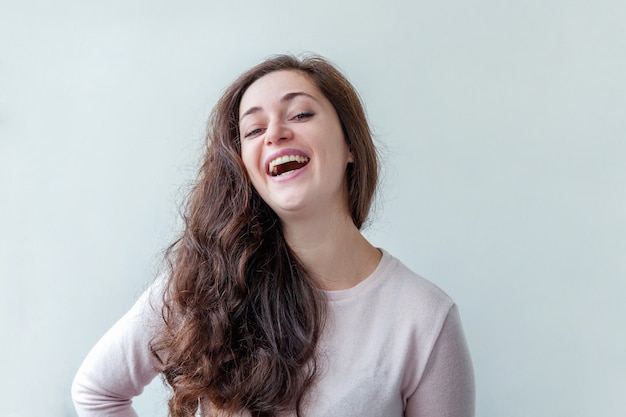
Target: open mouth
[{"x": 286, "y": 163}]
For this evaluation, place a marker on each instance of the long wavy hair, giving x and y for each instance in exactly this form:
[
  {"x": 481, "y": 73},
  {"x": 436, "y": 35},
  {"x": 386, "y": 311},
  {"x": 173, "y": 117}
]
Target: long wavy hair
[{"x": 242, "y": 315}]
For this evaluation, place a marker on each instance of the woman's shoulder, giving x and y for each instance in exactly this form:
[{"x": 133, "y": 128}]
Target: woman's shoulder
[
  {"x": 410, "y": 300},
  {"x": 396, "y": 291},
  {"x": 408, "y": 287},
  {"x": 415, "y": 285}
]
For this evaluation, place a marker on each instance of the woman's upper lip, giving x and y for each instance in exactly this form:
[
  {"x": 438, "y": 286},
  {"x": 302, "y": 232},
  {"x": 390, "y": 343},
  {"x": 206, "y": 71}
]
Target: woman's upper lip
[{"x": 282, "y": 152}]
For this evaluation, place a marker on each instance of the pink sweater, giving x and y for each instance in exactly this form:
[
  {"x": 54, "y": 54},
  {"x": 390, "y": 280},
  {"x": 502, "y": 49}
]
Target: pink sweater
[{"x": 393, "y": 346}]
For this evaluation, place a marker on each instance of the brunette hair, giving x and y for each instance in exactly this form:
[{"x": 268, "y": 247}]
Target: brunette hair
[{"x": 242, "y": 316}]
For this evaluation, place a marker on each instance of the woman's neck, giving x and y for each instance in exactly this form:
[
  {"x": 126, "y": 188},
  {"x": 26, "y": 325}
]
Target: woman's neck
[{"x": 332, "y": 250}]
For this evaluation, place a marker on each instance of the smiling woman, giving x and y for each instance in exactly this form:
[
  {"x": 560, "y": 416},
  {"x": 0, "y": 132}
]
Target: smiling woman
[
  {"x": 275, "y": 304},
  {"x": 293, "y": 147}
]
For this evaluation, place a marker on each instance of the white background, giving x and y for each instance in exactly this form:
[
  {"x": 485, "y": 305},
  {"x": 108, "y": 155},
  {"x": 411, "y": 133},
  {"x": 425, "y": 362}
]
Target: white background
[{"x": 502, "y": 126}]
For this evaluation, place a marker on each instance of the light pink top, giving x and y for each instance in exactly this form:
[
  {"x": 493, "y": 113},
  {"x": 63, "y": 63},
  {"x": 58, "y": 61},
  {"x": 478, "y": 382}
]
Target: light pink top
[{"x": 393, "y": 346}]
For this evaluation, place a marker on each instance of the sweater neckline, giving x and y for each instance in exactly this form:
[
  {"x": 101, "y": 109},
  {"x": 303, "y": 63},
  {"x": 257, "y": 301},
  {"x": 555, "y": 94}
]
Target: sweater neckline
[{"x": 370, "y": 281}]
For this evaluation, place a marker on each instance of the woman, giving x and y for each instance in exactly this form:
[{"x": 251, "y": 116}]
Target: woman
[{"x": 275, "y": 304}]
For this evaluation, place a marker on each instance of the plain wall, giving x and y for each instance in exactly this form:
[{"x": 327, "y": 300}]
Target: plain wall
[{"x": 502, "y": 127}]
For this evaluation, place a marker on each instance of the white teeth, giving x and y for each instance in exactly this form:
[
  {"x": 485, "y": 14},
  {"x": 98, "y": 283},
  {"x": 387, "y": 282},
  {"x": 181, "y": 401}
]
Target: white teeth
[{"x": 284, "y": 159}]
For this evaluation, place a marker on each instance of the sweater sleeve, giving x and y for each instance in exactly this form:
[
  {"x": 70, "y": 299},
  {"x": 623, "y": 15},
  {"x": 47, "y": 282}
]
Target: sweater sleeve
[
  {"x": 446, "y": 388},
  {"x": 120, "y": 365}
]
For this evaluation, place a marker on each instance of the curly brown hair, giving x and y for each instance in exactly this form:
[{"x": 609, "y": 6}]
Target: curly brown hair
[{"x": 242, "y": 315}]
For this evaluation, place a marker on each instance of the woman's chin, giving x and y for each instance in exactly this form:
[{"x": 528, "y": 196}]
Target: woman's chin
[{"x": 288, "y": 209}]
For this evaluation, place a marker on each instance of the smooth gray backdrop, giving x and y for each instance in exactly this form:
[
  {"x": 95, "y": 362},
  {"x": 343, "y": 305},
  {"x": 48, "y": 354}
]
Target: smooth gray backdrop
[{"x": 502, "y": 126}]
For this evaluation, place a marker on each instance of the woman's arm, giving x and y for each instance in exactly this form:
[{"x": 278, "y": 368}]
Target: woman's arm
[
  {"x": 447, "y": 386},
  {"x": 120, "y": 365}
]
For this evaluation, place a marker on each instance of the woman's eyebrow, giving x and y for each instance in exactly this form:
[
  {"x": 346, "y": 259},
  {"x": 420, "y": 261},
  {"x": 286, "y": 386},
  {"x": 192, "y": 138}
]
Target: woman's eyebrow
[
  {"x": 285, "y": 98},
  {"x": 291, "y": 96}
]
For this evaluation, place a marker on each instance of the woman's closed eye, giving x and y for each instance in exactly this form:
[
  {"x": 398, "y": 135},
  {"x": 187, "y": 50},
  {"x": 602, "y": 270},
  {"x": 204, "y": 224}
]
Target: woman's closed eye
[
  {"x": 253, "y": 132},
  {"x": 302, "y": 116}
]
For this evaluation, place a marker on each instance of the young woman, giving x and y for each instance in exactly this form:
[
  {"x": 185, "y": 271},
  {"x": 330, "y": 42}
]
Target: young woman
[{"x": 274, "y": 303}]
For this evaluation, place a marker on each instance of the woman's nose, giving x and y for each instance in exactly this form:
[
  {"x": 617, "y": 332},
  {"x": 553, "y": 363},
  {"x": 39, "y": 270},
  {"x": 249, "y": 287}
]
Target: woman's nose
[{"x": 276, "y": 132}]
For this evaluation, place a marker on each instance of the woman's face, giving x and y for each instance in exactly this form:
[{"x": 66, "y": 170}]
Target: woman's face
[{"x": 292, "y": 145}]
